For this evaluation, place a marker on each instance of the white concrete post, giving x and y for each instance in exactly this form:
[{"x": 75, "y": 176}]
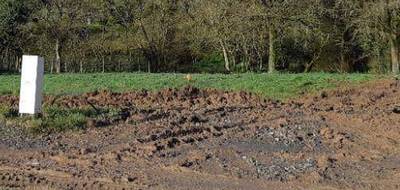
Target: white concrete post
[{"x": 30, "y": 101}]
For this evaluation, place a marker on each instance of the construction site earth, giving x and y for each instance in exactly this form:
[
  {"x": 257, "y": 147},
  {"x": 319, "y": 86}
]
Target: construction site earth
[{"x": 345, "y": 138}]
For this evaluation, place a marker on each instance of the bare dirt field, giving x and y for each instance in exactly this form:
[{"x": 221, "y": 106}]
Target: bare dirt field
[{"x": 348, "y": 138}]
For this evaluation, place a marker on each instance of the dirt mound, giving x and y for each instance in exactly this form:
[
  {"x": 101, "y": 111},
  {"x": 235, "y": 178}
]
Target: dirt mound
[
  {"x": 211, "y": 139},
  {"x": 185, "y": 97},
  {"x": 382, "y": 95}
]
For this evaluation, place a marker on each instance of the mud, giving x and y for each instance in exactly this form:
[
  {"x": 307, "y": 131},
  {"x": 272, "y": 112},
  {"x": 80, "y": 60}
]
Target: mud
[{"x": 346, "y": 138}]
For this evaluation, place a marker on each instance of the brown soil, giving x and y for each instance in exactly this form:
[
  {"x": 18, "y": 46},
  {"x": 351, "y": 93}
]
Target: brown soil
[{"x": 208, "y": 139}]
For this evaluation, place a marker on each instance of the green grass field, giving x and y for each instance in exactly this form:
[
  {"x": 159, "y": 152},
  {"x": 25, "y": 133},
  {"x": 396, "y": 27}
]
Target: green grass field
[{"x": 276, "y": 86}]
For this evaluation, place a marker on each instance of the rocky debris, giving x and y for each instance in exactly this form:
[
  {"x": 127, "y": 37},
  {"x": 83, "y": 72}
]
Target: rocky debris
[
  {"x": 396, "y": 110},
  {"x": 282, "y": 170}
]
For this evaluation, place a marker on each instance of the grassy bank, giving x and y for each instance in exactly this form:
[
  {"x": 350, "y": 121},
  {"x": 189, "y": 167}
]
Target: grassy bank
[{"x": 276, "y": 86}]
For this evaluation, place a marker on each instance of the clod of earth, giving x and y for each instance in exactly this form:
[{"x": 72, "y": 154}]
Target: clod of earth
[{"x": 396, "y": 110}]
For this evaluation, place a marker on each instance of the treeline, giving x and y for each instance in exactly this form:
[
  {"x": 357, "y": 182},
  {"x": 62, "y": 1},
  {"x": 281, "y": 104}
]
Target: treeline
[{"x": 202, "y": 35}]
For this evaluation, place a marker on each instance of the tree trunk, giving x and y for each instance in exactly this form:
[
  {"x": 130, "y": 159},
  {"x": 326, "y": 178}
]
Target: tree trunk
[
  {"x": 130, "y": 66},
  {"x": 226, "y": 58},
  {"x": 52, "y": 66},
  {"x": 58, "y": 57},
  {"x": 152, "y": 56},
  {"x": 103, "y": 65},
  {"x": 272, "y": 51},
  {"x": 260, "y": 60},
  {"x": 8, "y": 61},
  {"x": 4, "y": 61},
  {"x": 394, "y": 51},
  {"x": 17, "y": 63},
  {"x": 247, "y": 58},
  {"x": 309, "y": 66},
  {"x": 65, "y": 66},
  {"x": 80, "y": 66},
  {"x": 138, "y": 62}
]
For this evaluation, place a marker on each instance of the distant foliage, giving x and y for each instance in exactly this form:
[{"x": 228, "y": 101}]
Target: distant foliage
[{"x": 205, "y": 36}]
